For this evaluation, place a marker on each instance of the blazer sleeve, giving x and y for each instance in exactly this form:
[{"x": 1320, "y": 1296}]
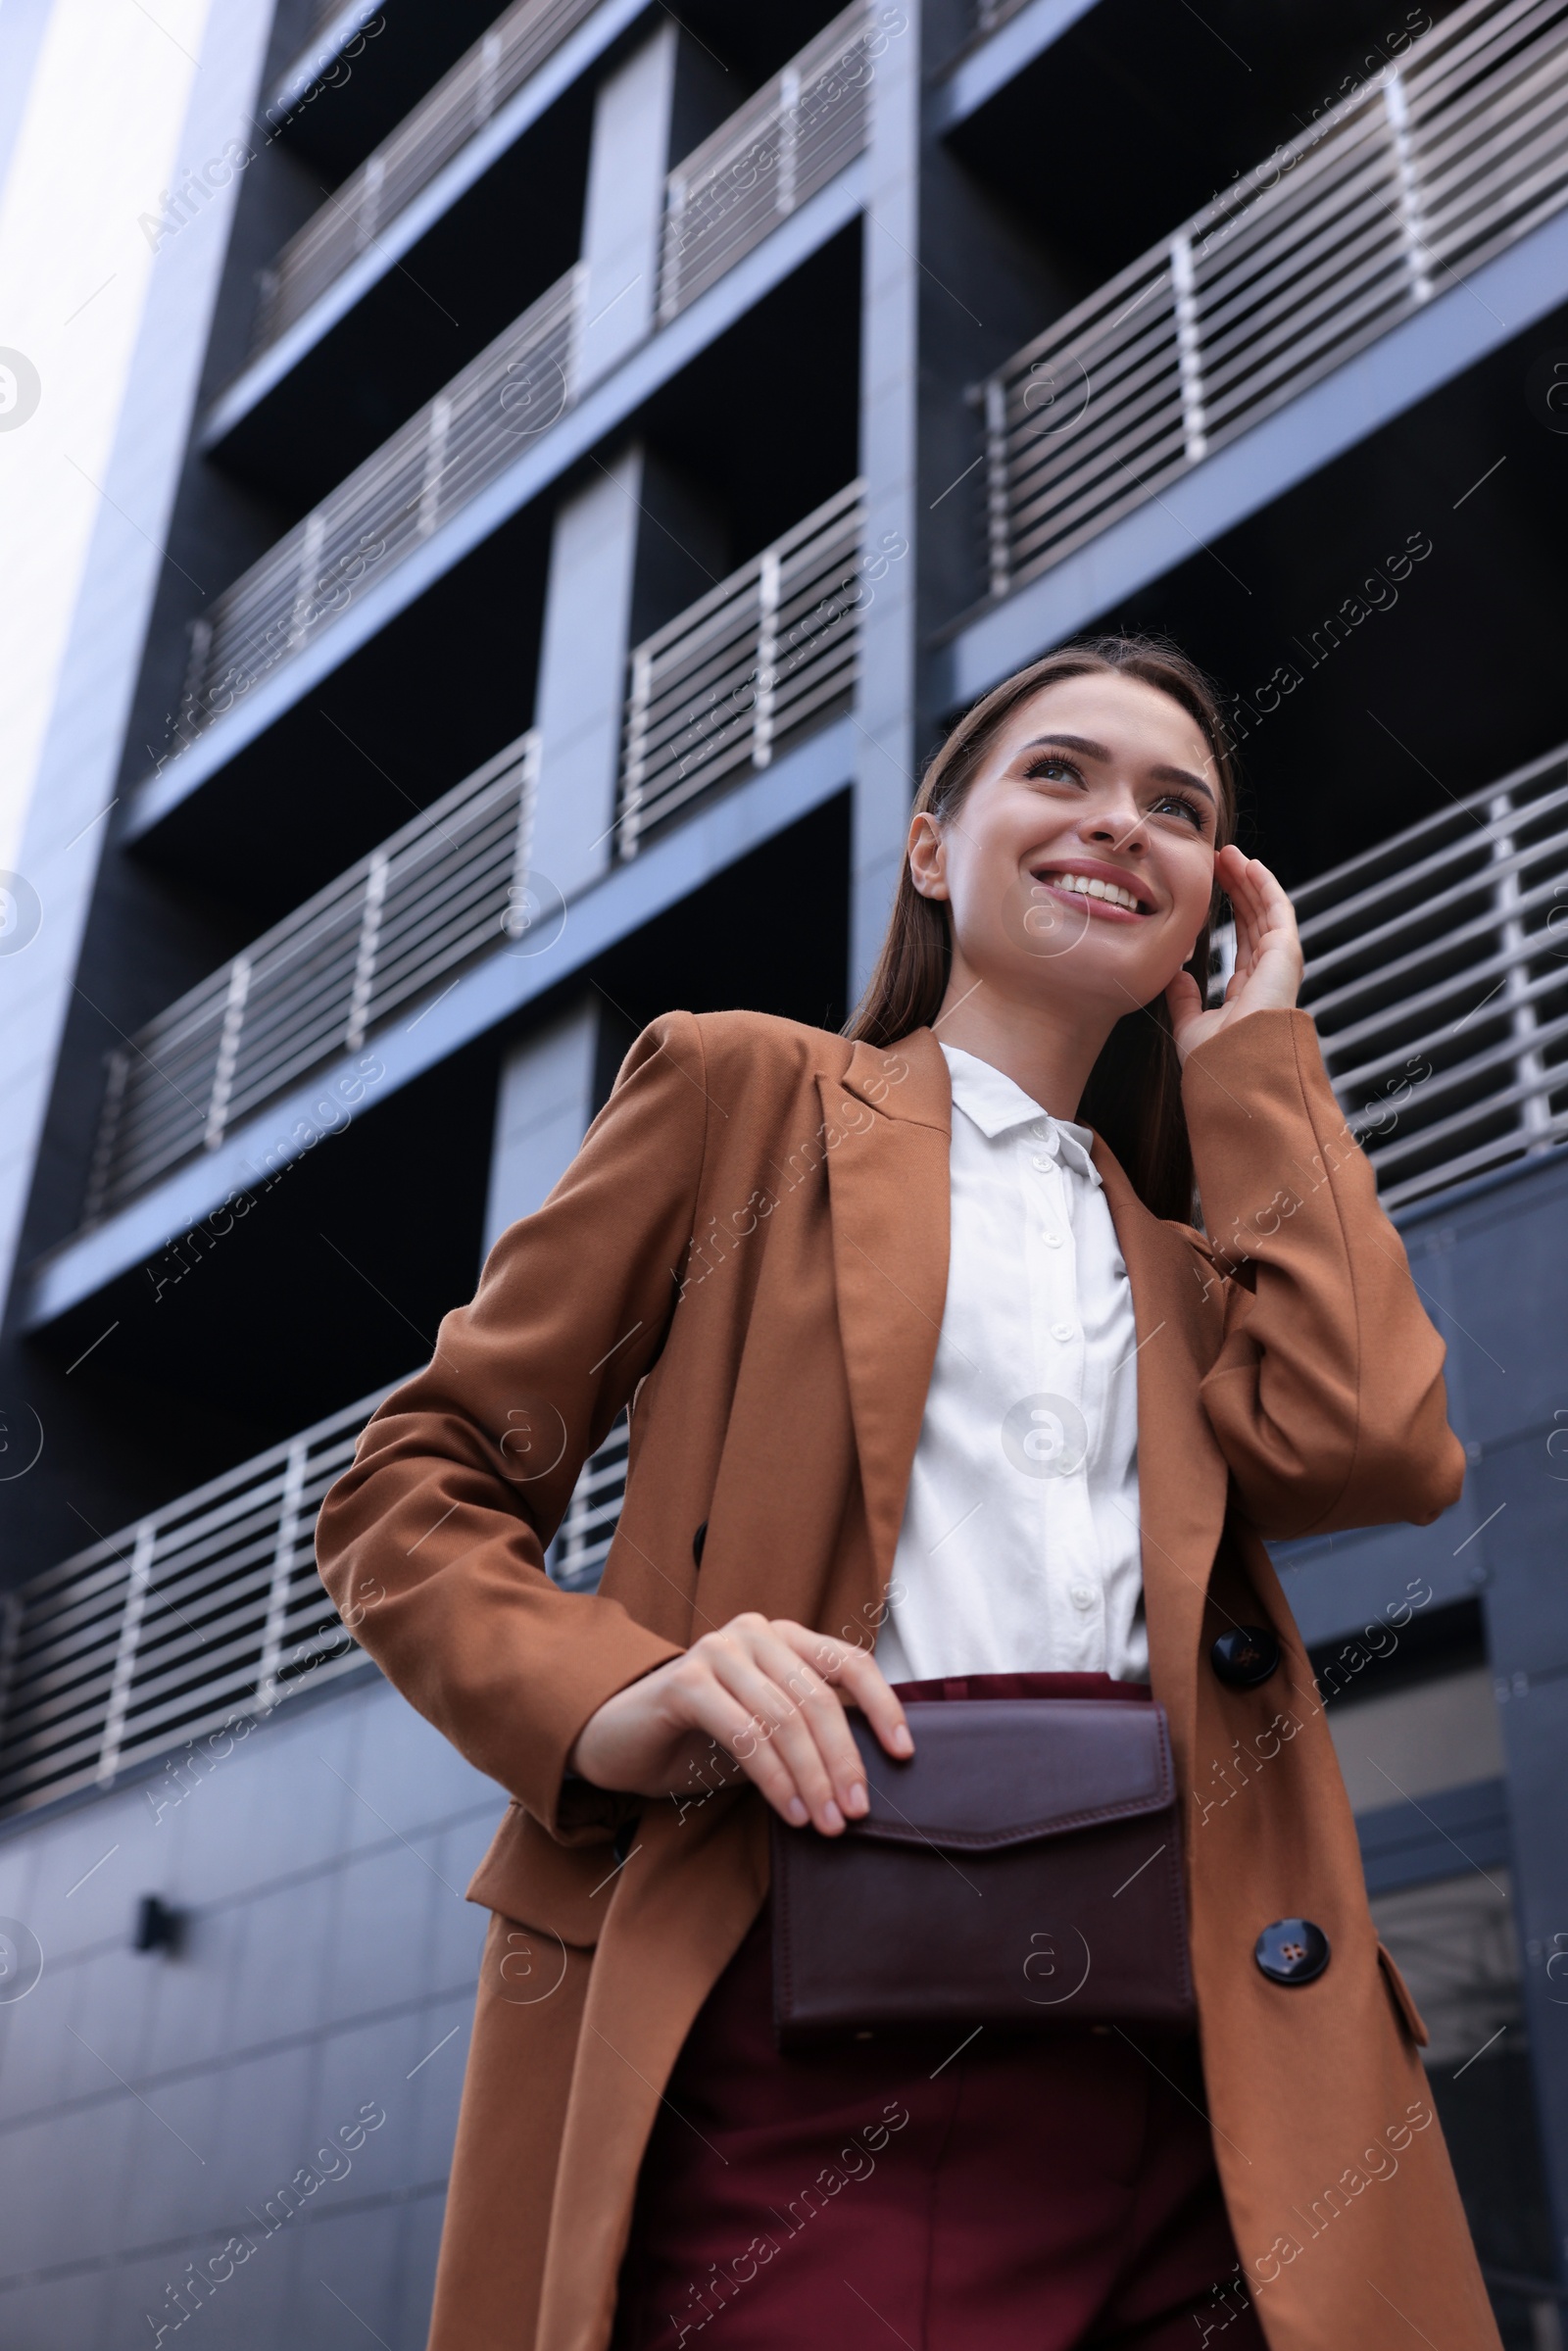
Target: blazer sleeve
[
  {"x": 431, "y": 1543},
  {"x": 1327, "y": 1394}
]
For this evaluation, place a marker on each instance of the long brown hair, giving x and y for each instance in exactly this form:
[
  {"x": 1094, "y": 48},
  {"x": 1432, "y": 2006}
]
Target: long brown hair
[{"x": 1134, "y": 1097}]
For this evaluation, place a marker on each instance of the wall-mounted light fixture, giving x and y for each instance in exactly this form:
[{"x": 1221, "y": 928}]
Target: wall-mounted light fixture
[{"x": 158, "y": 1926}]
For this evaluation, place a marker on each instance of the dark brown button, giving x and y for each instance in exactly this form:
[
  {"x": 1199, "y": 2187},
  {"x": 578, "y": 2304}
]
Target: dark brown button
[
  {"x": 1246, "y": 1656},
  {"x": 1291, "y": 1951}
]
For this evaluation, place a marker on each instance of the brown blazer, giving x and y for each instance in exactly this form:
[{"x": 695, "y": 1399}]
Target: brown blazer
[{"x": 752, "y": 1247}]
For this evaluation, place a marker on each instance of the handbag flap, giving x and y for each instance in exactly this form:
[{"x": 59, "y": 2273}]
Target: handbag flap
[{"x": 988, "y": 1773}]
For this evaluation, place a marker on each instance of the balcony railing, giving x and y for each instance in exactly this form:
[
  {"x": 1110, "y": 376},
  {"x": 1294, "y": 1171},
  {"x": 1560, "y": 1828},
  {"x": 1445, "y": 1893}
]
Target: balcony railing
[
  {"x": 775, "y": 152},
  {"x": 208, "y": 1610},
  {"x": 1436, "y": 971},
  {"x": 769, "y": 651},
  {"x": 179, "y": 1631},
  {"x": 804, "y": 126},
  {"x": 430, "y": 468},
  {"x": 410, "y": 157},
  {"x": 1396, "y": 194},
  {"x": 792, "y": 139},
  {"x": 766, "y": 653},
  {"x": 576, "y": 1558},
  {"x": 320, "y": 981}
]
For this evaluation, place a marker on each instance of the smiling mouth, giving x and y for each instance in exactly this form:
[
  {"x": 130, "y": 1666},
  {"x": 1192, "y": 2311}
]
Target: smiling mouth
[{"x": 1098, "y": 892}]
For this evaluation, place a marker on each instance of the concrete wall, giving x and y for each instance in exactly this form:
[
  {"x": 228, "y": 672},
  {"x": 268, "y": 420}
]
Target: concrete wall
[
  {"x": 544, "y": 1102},
  {"x": 151, "y": 2105}
]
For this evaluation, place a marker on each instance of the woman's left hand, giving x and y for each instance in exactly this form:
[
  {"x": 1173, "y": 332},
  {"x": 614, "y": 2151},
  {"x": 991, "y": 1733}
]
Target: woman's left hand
[{"x": 1268, "y": 955}]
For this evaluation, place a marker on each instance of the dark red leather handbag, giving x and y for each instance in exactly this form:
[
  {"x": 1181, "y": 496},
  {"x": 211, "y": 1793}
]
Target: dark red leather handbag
[{"x": 1021, "y": 1869}]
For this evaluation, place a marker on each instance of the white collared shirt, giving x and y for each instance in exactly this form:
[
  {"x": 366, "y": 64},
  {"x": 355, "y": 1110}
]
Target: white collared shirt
[{"x": 1019, "y": 1550}]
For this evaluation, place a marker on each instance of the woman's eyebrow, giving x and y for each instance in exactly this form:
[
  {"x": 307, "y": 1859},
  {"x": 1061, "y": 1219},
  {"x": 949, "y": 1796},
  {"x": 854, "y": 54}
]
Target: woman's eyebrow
[{"x": 1098, "y": 750}]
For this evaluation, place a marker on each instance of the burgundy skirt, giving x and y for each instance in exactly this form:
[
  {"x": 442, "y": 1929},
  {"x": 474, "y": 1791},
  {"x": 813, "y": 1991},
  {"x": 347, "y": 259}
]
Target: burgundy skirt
[{"x": 1012, "y": 2192}]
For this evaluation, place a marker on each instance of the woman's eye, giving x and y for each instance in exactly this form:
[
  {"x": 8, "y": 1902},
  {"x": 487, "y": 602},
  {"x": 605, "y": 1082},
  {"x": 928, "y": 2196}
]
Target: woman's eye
[{"x": 1183, "y": 807}]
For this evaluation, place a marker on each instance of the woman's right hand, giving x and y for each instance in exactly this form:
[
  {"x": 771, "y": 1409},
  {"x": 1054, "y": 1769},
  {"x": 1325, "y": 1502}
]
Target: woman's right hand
[{"x": 764, "y": 1691}]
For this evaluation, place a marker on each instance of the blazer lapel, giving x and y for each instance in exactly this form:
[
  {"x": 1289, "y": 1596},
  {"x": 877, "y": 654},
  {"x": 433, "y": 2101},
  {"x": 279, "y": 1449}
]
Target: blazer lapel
[
  {"x": 887, "y": 1128},
  {"x": 1182, "y": 1478}
]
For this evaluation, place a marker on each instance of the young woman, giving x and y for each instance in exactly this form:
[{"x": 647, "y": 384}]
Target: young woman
[{"x": 935, "y": 1387}]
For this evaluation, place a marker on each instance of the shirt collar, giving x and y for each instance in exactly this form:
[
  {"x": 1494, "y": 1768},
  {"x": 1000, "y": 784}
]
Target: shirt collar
[{"x": 996, "y": 1103}]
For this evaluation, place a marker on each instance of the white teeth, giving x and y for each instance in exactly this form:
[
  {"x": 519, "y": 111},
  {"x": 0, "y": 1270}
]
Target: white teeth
[{"x": 1088, "y": 886}]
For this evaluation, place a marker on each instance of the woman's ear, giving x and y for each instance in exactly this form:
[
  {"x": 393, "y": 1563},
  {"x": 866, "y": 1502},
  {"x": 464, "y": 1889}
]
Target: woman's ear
[{"x": 927, "y": 858}]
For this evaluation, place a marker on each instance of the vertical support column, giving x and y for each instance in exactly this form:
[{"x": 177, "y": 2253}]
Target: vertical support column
[
  {"x": 239, "y": 985},
  {"x": 435, "y": 458},
  {"x": 103, "y": 1157},
  {"x": 544, "y": 1103},
  {"x": 191, "y": 718},
  {"x": 304, "y": 587},
  {"x": 998, "y": 517},
  {"x": 370, "y": 207},
  {"x": 766, "y": 693},
  {"x": 1188, "y": 350},
  {"x": 290, "y": 1495},
  {"x": 485, "y": 89},
  {"x": 788, "y": 140},
  {"x": 1396, "y": 107},
  {"x": 624, "y": 215},
  {"x": 890, "y": 374},
  {"x": 1530, "y": 1070},
  {"x": 635, "y": 767},
  {"x": 370, "y": 944},
  {"x": 583, "y": 664},
  {"x": 136, "y": 1603}
]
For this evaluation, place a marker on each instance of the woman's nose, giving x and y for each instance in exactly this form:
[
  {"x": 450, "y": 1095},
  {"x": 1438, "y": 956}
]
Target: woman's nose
[{"x": 1120, "y": 824}]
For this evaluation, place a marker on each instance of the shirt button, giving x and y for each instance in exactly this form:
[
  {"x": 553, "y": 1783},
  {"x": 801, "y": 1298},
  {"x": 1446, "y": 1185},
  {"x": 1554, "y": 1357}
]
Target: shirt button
[
  {"x": 1043, "y": 1161},
  {"x": 1052, "y": 1240},
  {"x": 1082, "y": 1596},
  {"x": 1062, "y": 1332}
]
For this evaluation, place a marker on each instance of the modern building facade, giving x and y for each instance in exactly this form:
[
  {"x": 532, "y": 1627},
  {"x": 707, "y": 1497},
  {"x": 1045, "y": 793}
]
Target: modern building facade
[{"x": 564, "y": 470}]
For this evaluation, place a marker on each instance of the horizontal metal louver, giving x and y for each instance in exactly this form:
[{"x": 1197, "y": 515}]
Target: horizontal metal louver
[
  {"x": 1414, "y": 180},
  {"x": 428, "y": 470},
  {"x": 476, "y": 89},
  {"x": 422, "y": 905},
  {"x": 767, "y": 653},
  {"x": 771, "y": 649},
  {"x": 792, "y": 139},
  {"x": 1437, "y": 972},
  {"x": 207, "y": 1614}
]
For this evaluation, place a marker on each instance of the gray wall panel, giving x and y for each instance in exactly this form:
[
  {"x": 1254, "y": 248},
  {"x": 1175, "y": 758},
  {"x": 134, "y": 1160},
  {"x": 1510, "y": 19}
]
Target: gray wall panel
[{"x": 325, "y": 1970}]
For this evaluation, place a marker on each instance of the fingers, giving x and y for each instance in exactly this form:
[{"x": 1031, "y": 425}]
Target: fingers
[
  {"x": 1264, "y": 914},
  {"x": 1236, "y": 882},
  {"x": 1257, "y": 898},
  {"x": 1279, "y": 914},
  {"x": 802, "y": 1720},
  {"x": 857, "y": 1671},
  {"x": 767, "y": 1691}
]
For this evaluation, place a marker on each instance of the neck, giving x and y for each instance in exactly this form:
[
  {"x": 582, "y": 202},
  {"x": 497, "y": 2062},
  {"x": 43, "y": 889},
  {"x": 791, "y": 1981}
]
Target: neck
[{"x": 1046, "y": 1048}]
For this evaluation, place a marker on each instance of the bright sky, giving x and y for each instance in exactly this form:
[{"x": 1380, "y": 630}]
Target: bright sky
[{"x": 96, "y": 148}]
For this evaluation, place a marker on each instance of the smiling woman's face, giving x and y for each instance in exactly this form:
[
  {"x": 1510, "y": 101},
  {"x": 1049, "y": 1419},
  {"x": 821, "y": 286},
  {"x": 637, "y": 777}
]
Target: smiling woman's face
[{"x": 1081, "y": 860}]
